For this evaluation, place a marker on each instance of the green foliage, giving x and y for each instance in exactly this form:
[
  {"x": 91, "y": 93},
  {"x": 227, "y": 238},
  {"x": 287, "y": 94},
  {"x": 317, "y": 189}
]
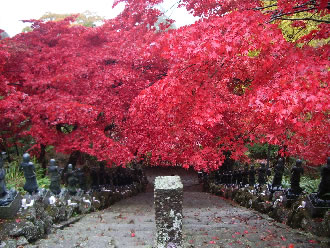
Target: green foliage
[
  {"x": 308, "y": 184},
  {"x": 259, "y": 151},
  {"x": 15, "y": 176}
]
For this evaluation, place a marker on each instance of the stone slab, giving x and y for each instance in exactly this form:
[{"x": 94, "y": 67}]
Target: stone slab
[{"x": 10, "y": 211}]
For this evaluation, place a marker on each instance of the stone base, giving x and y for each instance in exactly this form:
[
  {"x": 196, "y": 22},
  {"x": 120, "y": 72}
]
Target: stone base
[
  {"x": 10, "y": 211},
  {"x": 315, "y": 210}
]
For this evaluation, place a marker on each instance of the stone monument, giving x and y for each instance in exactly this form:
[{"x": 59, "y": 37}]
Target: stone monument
[
  {"x": 72, "y": 180},
  {"x": 262, "y": 174},
  {"x": 239, "y": 177},
  {"x": 296, "y": 172},
  {"x": 28, "y": 168},
  {"x": 168, "y": 196},
  {"x": 252, "y": 176},
  {"x": 245, "y": 175},
  {"x": 324, "y": 186},
  {"x": 235, "y": 174},
  {"x": 82, "y": 179},
  {"x": 319, "y": 203},
  {"x": 10, "y": 200},
  {"x": 55, "y": 177},
  {"x": 278, "y": 174}
]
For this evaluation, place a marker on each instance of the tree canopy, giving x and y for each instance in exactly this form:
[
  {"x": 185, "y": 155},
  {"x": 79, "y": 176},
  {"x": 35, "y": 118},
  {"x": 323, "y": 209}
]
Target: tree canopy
[{"x": 134, "y": 89}]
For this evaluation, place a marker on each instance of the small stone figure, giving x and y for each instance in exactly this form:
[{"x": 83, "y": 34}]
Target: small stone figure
[
  {"x": 28, "y": 168},
  {"x": 82, "y": 182},
  {"x": 55, "y": 177},
  {"x": 324, "y": 187},
  {"x": 252, "y": 176},
  {"x": 262, "y": 174},
  {"x": 95, "y": 178},
  {"x": 239, "y": 177},
  {"x": 234, "y": 177},
  {"x": 217, "y": 177},
  {"x": 72, "y": 181},
  {"x": 101, "y": 174},
  {"x": 230, "y": 177},
  {"x": 279, "y": 170},
  {"x": 3, "y": 189},
  {"x": 6, "y": 196},
  {"x": 296, "y": 172},
  {"x": 245, "y": 175}
]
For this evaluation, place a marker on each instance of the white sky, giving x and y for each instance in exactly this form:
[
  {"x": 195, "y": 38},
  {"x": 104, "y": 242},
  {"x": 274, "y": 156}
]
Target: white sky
[{"x": 12, "y": 11}]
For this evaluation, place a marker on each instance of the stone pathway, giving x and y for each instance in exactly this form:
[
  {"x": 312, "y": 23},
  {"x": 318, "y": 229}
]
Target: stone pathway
[{"x": 209, "y": 221}]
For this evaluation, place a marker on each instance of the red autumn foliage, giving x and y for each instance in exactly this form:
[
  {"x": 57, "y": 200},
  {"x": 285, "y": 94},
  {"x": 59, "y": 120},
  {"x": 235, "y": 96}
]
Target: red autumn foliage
[{"x": 182, "y": 96}]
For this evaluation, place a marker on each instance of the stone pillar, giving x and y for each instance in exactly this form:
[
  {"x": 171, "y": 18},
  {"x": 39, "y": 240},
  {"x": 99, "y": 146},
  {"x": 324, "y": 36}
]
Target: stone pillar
[{"x": 168, "y": 196}]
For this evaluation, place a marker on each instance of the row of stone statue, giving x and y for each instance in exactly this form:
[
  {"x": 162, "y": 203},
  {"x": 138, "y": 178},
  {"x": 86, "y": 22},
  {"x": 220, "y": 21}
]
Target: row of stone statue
[
  {"x": 247, "y": 176},
  {"x": 72, "y": 178}
]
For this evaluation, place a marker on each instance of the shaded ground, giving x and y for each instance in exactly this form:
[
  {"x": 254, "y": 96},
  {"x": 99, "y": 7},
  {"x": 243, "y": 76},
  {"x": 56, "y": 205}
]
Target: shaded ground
[{"x": 209, "y": 221}]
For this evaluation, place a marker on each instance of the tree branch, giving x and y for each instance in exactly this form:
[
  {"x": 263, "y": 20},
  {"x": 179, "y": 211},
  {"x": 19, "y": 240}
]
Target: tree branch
[{"x": 303, "y": 19}]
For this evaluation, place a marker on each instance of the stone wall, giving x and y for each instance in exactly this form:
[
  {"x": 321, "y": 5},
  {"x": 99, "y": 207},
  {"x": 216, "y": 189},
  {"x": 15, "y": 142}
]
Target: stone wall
[
  {"x": 292, "y": 213},
  {"x": 42, "y": 218}
]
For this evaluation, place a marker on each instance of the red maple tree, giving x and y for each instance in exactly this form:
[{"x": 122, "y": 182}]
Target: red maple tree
[{"x": 183, "y": 96}]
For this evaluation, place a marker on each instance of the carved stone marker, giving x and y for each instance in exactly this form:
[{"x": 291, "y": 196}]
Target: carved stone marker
[
  {"x": 10, "y": 200},
  {"x": 324, "y": 187},
  {"x": 278, "y": 173},
  {"x": 168, "y": 196},
  {"x": 72, "y": 180},
  {"x": 252, "y": 176},
  {"x": 31, "y": 184},
  {"x": 296, "y": 172},
  {"x": 55, "y": 177},
  {"x": 245, "y": 175},
  {"x": 262, "y": 174}
]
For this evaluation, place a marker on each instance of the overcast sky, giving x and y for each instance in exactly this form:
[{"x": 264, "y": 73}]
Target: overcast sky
[{"x": 12, "y": 11}]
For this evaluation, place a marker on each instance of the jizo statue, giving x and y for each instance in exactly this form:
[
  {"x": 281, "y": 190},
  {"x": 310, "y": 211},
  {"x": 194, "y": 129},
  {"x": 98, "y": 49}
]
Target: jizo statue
[
  {"x": 55, "y": 177},
  {"x": 28, "y": 168}
]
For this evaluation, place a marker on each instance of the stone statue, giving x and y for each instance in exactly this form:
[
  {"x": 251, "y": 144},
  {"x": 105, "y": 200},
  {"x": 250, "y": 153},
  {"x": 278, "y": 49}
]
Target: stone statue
[
  {"x": 55, "y": 177},
  {"x": 324, "y": 187},
  {"x": 3, "y": 189},
  {"x": 82, "y": 182},
  {"x": 31, "y": 184},
  {"x": 72, "y": 181},
  {"x": 252, "y": 176},
  {"x": 245, "y": 175},
  {"x": 296, "y": 172},
  {"x": 217, "y": 177},
  {"x": 239, "y": 177},
  {"x": 262, "y": 174},
  {"x": 235, "y": 177},
  {"x": 230, "y": 177},
  {"x": 279, "y": 170}
]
